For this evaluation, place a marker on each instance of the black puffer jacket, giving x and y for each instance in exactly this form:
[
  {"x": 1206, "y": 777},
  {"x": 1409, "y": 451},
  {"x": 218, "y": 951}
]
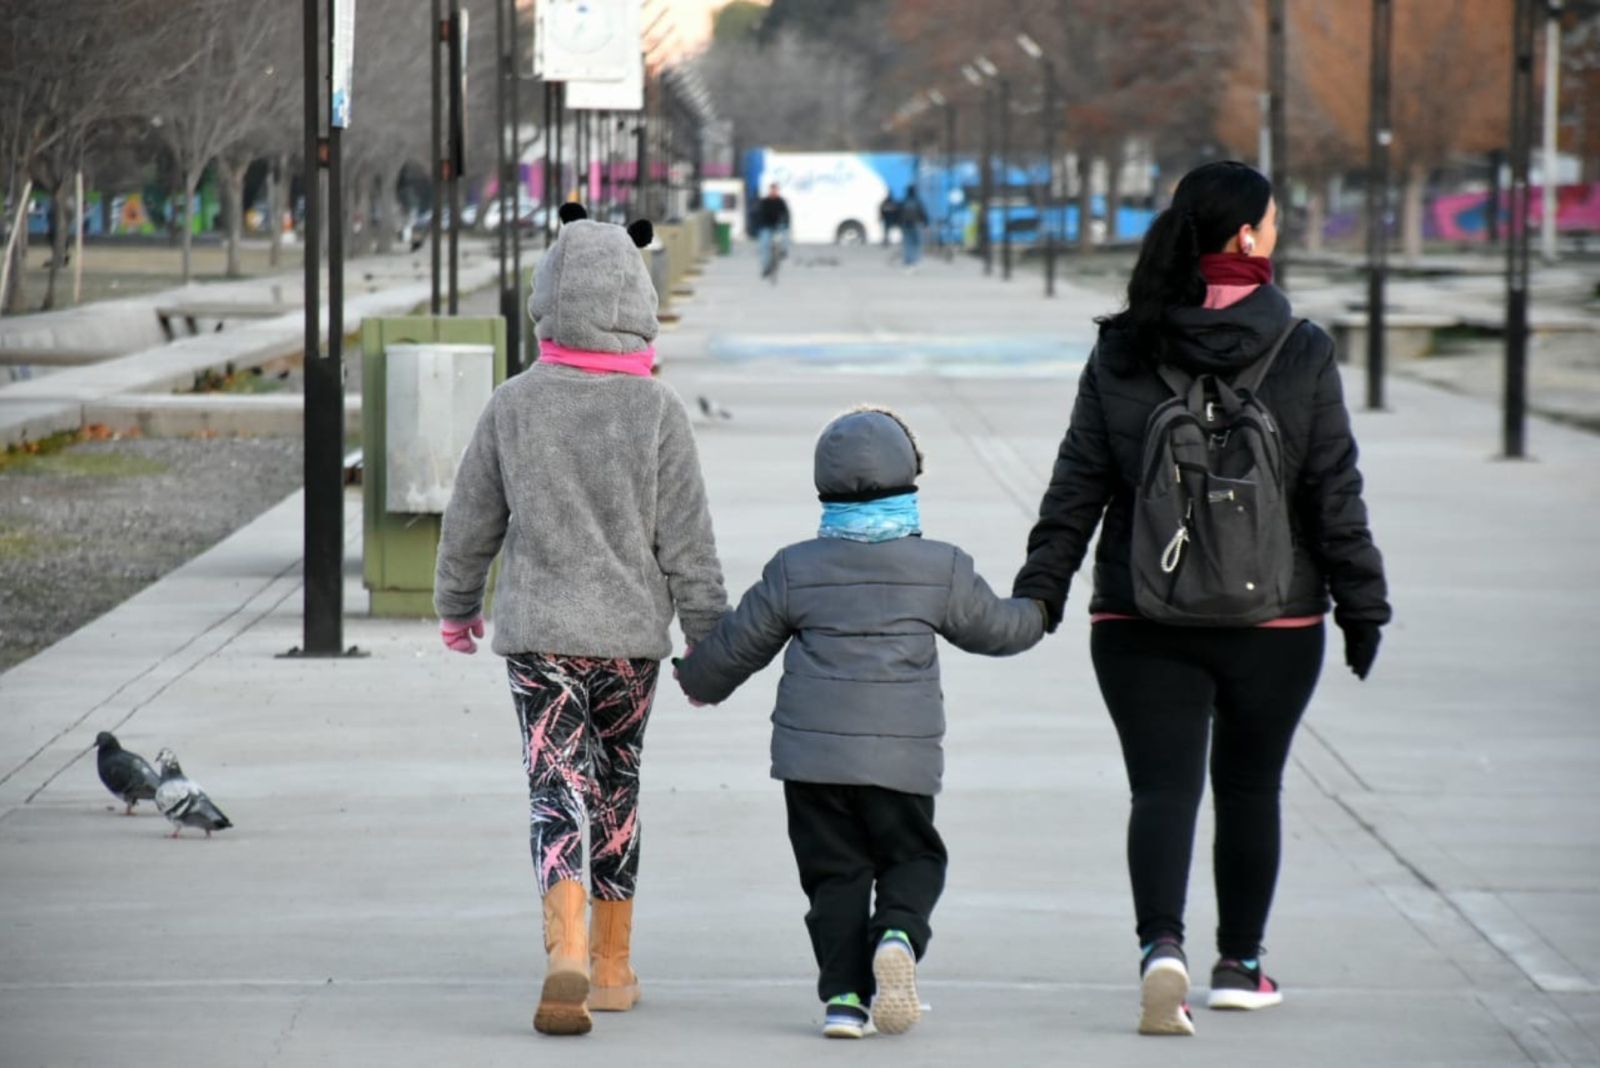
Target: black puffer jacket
[{"x": 1097, "y": 467}]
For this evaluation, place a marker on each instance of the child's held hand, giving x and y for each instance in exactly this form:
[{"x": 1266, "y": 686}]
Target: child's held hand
[
  {"x": 457, "y": 634},
  {"x": 675, "y": 662}
]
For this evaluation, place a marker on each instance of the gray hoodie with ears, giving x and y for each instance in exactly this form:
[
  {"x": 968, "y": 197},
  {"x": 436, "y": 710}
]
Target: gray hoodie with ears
[
  {"x": 592, "y": 291},
  {"x": 860, "y": 701},
  {"x": 587, "y": 485}
]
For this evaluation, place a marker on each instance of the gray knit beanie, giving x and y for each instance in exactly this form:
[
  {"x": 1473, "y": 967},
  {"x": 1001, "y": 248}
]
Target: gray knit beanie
[{"x": 592, "y": 290}]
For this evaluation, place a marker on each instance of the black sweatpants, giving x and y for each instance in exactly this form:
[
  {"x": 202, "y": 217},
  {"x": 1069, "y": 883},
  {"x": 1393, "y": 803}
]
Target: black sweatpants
[
  {"x": 848, "y": 839},
  {"x": 1165, "y": 687}
]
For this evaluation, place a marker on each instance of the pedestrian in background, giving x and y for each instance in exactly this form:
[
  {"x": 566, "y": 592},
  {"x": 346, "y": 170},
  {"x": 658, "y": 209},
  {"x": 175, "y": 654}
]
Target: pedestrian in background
[
  {"x": 913, "y": 217},
  {"x": 1203, "y": 315},
  {"x": 583, "y": 476},
  {"x": 888, "y": 216}
]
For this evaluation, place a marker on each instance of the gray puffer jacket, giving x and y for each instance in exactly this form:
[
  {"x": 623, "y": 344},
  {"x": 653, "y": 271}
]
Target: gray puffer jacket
[{"x": 860, "y": 701}]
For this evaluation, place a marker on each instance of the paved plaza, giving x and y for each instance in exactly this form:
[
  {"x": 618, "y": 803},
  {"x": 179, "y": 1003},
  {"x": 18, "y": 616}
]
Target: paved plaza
[{"x": 374, "y": 904}]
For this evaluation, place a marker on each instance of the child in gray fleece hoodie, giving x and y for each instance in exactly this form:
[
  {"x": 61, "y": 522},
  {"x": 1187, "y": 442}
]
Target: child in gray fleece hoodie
[
  {"x": 582, "y": 475},
  {"x": 858, "y": 727}
]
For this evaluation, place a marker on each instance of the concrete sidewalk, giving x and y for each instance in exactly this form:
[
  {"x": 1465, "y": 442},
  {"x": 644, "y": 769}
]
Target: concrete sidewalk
[{"x": 374, "y": 904}]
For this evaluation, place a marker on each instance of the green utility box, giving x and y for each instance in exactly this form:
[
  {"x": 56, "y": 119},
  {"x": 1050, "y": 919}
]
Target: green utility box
[
  {"x": 399, "y": 546},
  {"x": 724, "y": 239}
]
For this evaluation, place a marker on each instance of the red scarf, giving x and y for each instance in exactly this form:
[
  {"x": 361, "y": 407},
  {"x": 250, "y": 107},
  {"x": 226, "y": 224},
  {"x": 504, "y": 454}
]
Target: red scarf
[{"x": 1235, "y": 269}]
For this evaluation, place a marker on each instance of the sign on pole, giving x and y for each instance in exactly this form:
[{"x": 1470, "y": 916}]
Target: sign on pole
[
  {"x": 587, "y": 40},
  {"x": 624, "y": 95},
  {"x": 344, "y": 36}
]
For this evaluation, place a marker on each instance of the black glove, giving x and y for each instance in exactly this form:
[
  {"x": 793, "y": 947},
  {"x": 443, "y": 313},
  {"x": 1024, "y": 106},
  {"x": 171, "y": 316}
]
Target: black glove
[{"x": 1361, "y": 646}]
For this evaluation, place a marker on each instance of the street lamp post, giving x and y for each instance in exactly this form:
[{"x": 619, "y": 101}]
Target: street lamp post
[
  {"x": 1378, "y": 138},
  {"x": 1048, "y": 120},
  {"x": 1518, "y": 235},
  {"x": 1277, "y": 120},
  {"x": 1005, "y": 179},
  {"x": 985, "y": 171}
]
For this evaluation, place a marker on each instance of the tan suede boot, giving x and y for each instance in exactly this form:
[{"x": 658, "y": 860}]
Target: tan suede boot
[
  {"x": 566, "y": 980},
  {"x": 615, "y": 987}
]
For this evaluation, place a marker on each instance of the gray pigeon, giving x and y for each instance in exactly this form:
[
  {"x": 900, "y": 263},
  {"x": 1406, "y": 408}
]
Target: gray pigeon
[
  {"x": 126, "y": 774},
  {"x": 181, "y": 800}
]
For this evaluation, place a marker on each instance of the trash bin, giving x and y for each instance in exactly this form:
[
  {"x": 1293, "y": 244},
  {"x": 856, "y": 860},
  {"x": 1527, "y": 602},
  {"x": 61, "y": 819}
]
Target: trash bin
[{"x": 724, "y": 239}]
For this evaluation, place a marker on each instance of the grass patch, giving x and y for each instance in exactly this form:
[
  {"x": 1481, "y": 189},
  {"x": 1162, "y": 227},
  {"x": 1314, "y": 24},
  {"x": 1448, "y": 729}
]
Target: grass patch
[
  {"x": 21, "y": 545},
  {"x": 249, "y": 381},
  {"x": 53, "y": 456}
]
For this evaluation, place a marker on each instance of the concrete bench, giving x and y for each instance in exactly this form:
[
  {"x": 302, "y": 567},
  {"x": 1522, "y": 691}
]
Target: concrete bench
[
  {"x": 191, "y": 313},
  {"x": 1407, "y": 335}
]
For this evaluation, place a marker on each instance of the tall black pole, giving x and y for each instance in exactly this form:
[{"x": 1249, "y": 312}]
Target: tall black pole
[
  {"x": 1005, "y": 178},
  {"x": 1278, "y": 124},
  {"x": 547, "y": 194},
  {"x": 1518, "y": 230},
  {"x": 949, "y": 171},
  {"x": 500, "y": 190},
  {"x": 560, "y": 191},
  {"x": 1050, "y": 212},
  {"x": 1491, "y": 218},
  {"x": 436, "y": 32},
  {"x": 514, "y": 324},
  {"x": 986, "y": 183},
  {"x": 1378, "y": 138},
  {"x": 323, "y": 606},
  {"x": 457, "y": 155}
]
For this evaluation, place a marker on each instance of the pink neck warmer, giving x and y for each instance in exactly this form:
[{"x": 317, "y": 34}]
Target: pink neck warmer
[{"x": 599, "y": 363}]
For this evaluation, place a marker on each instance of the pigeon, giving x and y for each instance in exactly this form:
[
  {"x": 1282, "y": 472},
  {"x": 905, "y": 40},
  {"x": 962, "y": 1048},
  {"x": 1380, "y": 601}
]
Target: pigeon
[
  {"x": 712, "y": 410},
  {"x": 128, "y": 775},
  {"x": 181, "y": 800}
]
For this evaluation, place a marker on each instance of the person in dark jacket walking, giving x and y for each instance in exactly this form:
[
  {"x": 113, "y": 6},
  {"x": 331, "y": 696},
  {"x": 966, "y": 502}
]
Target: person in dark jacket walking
[
  {"x": 857, "y": 734},
  {"x": 1201, "y": 301}
]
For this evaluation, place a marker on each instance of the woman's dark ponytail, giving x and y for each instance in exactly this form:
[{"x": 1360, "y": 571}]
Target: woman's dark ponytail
[{"x": 1208, "y": 207}]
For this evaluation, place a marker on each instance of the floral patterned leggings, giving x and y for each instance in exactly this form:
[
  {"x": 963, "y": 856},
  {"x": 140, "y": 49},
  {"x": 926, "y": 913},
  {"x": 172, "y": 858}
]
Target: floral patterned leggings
[{"x": 583, "y": 723}]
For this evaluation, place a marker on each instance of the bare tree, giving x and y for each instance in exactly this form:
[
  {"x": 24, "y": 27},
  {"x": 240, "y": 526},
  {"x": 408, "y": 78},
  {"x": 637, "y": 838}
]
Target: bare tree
[
  {"x": 65, "y": 70},
  {"x": 221, "y": 53}
]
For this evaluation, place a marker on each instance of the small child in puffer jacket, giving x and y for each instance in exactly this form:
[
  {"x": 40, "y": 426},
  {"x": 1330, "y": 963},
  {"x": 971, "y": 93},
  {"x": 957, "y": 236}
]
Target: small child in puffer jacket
[
  {"x": 857, "y": 735},
  {"x": 582, "y": 474}
]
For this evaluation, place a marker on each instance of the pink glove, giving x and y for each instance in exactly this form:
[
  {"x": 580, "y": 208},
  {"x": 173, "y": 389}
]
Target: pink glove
[{"x": 458, "y": 634}]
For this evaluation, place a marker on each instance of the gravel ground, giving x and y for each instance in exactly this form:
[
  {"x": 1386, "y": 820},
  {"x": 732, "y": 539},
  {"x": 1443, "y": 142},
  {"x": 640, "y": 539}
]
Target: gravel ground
[{"x": 83, "y": 529}]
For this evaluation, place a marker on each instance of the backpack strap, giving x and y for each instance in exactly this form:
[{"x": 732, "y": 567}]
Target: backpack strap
[
  {"x": 1252, "y": 376},
  {"x": 1176, "y": 380}
]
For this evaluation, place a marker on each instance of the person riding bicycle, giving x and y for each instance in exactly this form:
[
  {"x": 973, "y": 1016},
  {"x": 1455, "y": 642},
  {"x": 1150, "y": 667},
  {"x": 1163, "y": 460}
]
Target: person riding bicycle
[{"x": 772, "y": 228}]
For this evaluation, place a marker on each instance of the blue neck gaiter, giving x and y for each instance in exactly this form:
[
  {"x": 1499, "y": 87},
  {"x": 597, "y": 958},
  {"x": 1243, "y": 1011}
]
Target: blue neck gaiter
[{"x": 871, "y": 521}]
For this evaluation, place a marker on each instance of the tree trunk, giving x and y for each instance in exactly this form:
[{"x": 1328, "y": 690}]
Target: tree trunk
[
  {"x": 1316, "y": 218},
  {"x": 187, "y": 236},
  {"x": 275, "y": 175},
  {"x": 58, "y": 245},
  {"x": 1114, "y": 160},
  {"x": 77, "y": 238},
  {"x": 12, "y": 296},
  {"x": 1085, "y": 202},
  {"x": 1416, "y": 180},
  {"x": 388, "y": 211},
  {"x": 233, "y": 195}
]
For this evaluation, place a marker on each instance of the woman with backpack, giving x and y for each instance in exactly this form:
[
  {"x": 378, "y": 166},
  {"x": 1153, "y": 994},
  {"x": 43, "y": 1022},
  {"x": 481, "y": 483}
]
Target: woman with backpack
[{"x": 1211, "y": 434}]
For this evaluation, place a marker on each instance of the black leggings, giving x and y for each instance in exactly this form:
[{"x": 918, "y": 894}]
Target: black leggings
[{"x": 1164, "y": 686}]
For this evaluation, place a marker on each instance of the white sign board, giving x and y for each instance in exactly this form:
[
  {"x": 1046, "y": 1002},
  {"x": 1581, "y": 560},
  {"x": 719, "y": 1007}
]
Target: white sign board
[
  {"x": 626, "y": 95},
  {"x": 344, "y": 47},
  {"x": 434, "y": 395},
  {"x": 587, "y": 40}
]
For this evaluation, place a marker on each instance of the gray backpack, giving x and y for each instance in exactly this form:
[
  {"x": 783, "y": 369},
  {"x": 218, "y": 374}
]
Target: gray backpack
[{"x": 1212, "y": 545}]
